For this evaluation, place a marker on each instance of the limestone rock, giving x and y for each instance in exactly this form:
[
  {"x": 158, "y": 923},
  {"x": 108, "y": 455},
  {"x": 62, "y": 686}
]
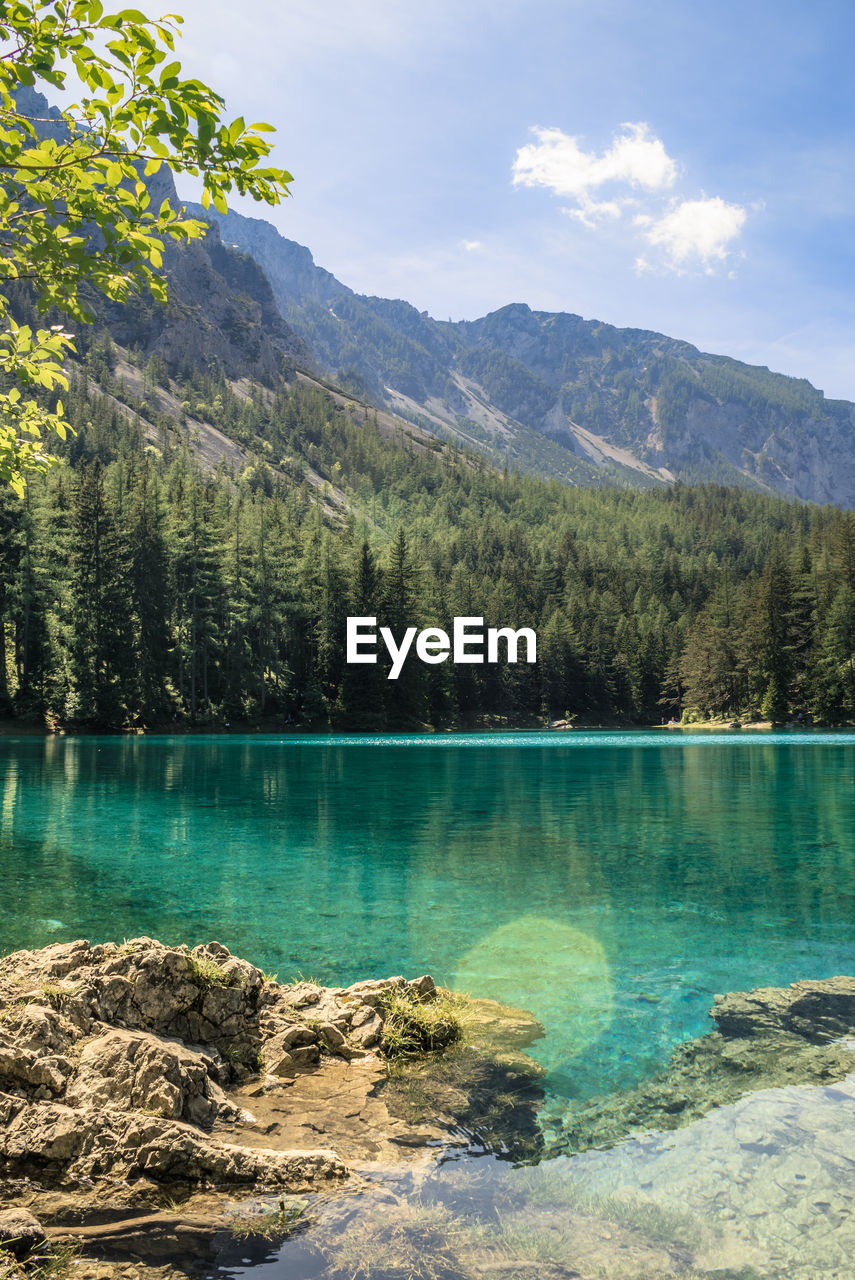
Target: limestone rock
[
  {"x": 818, "y": 1011},
  {"x": 21, "y": 1067},
  {"x": 112, "y": 1060},
  {"x": 87, "y": 1143},
  {"x": 141, "y": 1071}
]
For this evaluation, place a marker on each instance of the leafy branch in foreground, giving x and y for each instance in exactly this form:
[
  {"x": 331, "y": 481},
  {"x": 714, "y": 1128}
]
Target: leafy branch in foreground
[{"x": 75, "y": 207}]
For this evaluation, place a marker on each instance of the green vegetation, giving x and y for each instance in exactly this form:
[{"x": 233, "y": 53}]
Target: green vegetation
[
  {"x": 246, "y": 1057},
  {"x": 258, "y": 1222},
  {"x": 414, "y": 1241},
  {"x": 414, "y": 1025},
  {"x": 85, "y": 168},
  {"x": 56, "y": 1262},
  {"x": 59, "y": 994},
  {"x": 136, "y": 589},
  {"x": 207, "y": 972}
]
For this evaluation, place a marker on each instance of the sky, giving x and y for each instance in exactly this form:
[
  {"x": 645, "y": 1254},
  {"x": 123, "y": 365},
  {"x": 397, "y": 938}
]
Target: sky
[{"x": 662, "y": 165}]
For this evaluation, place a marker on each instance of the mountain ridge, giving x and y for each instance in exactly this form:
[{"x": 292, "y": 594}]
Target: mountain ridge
[{"x": 558, "y": 395}]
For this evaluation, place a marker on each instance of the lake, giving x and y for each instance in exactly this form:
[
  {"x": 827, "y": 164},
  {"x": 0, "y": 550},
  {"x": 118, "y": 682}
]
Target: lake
[{"x": 611, "y": 883}]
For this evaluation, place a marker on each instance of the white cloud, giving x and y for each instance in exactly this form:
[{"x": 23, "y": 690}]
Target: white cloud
[
  {"x": 636, "y": 158},
  {"x": 696, "y": 230},
  {"x": 633, "y": 177},
  {"x": 589, "y": 211},
  {"x": 471, "y": 246}
]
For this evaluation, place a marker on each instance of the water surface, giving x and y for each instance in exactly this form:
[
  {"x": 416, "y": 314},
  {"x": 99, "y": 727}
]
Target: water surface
[{"x": 612, "y": 883}]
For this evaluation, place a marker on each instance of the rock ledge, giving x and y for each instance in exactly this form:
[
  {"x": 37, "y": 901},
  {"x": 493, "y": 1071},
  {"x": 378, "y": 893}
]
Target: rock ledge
[{"x": 115, "y": 1061}]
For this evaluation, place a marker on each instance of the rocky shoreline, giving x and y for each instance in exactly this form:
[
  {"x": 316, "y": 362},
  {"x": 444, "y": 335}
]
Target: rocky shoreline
[
  {"x": 158, "y": 1104},
  {"x": 135, "y": 1075}
]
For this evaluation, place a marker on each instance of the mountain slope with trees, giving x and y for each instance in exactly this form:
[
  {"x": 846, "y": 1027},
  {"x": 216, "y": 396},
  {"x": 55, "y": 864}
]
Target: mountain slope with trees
[{"x": 138, "y": 588}]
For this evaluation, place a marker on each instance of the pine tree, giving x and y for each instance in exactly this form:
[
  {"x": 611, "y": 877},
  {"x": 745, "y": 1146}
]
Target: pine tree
[
  {"x": 405, "y": 697},
  {"x": 360, "y": 703},
  {"x": 101, "y": 645},
  {"x": 149, "y": 585},
  {"x": 771, "y": 638}
]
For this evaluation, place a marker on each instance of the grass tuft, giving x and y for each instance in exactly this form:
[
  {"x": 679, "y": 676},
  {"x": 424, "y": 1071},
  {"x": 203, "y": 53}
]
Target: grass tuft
[
  {"x": 414, "y": 1026},
  {"x": 274, "y": 1225},
  {"x": 58, "y": 996},
  {"x": 54, "y": 1262},
  {"x": 249, "y": 1057},
  {"x": 207, "y": 972}
]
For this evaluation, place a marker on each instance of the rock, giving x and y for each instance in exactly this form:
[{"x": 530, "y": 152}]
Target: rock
[
  {"x": 768, "y": 1038},
  {"x": 818, "y": 1011},
  {"x": 21, "y": 1067},
  {"x": 362, "y": 1015},
  {"x": 112, "y": 1060},
  {"x": 278, "y": 1062},
  {"x": 331, "y": 1036},
  {"x": 20, "y": 1233},
  {"x": 204, "y": 996},
  {"x": 368, "y": 1031},
  {"x": 111, "y": 1142},
  {"x": 303, "y": 994},
  {"x": 306, "y": 1055},
  {"x": 425, "y": 987},
  {"x": 371, "y": 993},
  {"x": 293, "y": 1036},
  {"x": 140, "y": 1071}
]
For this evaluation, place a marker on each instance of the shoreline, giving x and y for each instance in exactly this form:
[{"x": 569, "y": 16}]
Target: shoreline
[
  {"x": 162, "y": 1107},
  {"x": 10, "y": 728}
]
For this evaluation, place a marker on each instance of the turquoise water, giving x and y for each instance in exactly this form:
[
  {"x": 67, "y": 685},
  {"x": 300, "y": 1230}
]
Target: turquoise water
[{"x": 610, "y": 882}]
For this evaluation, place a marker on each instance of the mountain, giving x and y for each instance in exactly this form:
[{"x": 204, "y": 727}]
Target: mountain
[
  {"x": 558, "y": 395},
  {"x": 221, "y": 306}
]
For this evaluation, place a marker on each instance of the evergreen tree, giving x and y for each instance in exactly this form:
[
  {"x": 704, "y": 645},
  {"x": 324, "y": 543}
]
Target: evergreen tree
[
  {"x": 360, "y": 704},
  {"x": 149, "y": 585},
  {"x": 102, "y": 665}
]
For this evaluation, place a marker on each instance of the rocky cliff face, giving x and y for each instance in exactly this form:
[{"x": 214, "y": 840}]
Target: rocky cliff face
[
  {"x": 221, "y": 306},
  {"x": 220, "y": 309}
]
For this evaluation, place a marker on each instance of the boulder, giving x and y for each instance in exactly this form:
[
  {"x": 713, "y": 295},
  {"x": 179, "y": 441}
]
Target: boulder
[
  {"x": 136, "y": 1070},
  {"x": 818, "y": 1011}
]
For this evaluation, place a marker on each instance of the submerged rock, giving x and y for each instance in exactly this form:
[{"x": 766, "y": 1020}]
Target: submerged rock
[
  {"x": 20, "y": 1233},
  {"x": 772, "y": 1037},
  {"x": 819, "y": 1012},
  {"x": 486, "y": 1090}
]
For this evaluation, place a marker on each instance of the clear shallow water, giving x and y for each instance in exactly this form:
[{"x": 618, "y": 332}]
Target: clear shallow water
[
  {"x": 612, "y": 883},
  {"x": 757, "y": 1190}
]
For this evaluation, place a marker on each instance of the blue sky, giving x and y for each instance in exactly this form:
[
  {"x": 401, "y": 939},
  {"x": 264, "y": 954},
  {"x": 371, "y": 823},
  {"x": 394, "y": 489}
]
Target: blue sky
[{"x": 665, "y": 165}]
